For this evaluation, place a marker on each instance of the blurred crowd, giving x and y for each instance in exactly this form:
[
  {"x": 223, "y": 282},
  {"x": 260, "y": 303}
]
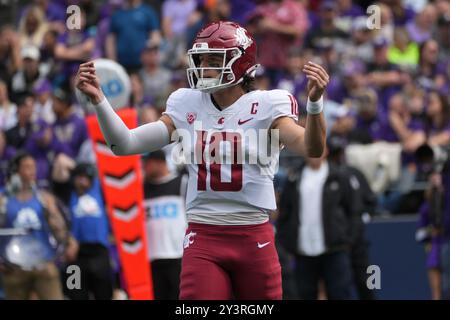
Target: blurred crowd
[{"x": 388, "y": 101}]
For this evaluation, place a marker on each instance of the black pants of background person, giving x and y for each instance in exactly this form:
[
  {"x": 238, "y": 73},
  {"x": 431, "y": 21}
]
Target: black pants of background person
[
  {"x": 360, "y": 262},
  {"x": 96, "y": 274},
  {"x": 287, "y": 273},
  {"x": 166, "y": 278},
  {"x": 335, "y": 270}
]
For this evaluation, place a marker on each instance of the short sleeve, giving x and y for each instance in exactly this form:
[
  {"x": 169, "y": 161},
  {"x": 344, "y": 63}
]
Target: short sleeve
[
  {"x": 173, "y": 109},
  {"x": 283, "y": 104}
]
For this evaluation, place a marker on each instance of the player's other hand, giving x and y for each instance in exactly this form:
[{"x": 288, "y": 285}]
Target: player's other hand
[
  {"x": 88, "y": 83},
  {"x": 318, "y": 79}
]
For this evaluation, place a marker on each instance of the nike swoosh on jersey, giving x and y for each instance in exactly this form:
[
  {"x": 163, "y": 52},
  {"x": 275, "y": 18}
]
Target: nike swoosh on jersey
[
  {"x": 262, "y": 245},
  {"x": 244, "y": 121}
]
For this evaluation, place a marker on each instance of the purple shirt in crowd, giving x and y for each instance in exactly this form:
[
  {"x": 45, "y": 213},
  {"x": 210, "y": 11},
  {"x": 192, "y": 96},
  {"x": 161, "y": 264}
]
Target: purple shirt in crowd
[
  {"x": 73, "y": 38},
  {"x": 68, "y": 135}
]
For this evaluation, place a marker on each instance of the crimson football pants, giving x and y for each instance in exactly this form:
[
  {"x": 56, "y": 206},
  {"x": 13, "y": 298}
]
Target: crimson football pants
[{"x": 230, "y": 262}]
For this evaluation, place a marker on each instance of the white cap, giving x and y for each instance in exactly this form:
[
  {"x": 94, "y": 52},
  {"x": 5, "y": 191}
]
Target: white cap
[{"x": 31, "y": 52}]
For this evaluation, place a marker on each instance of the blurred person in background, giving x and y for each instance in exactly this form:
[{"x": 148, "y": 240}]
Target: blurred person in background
[
  {"x": 292, "y": 78},
  {"x": 175, "y": 17},
  {"x": 443, "y": 35},
  {"x": 30, "y": 72},
  {"x": 32, "y": 27},
  {"x": 348, "y": 11},
  {"x": 438, "y": 119},
  {"x": 430, "y": 73},
  {"x": 403, "y": 52},
  {"x": 8, "y": 109},
  {"x": 422, "y": 27},
  {"x": 278, "y": 24},
  {"x": 49, "y": 64},
  {"x": 164, "y": 193},
  {"x": 75, "y": 46},
  {"x": 10, "y": 60},
  {"x": 43, "y": 104},
  {"x": 317, "y": 223},
  {"x": 90, "y": 227},
  {"x": 25, "y": 206},
  {"x": 6, "y": 154},
  {"x": 155, "y": 77},
  {"x": 54, "y": 12},
  {"x": 360, "y": 47},
  {"x": 69, "y": 132},
  {"x": 131, "y": 27},
  {"x": 367, "y": 203},
  {"x": 383, "y": 76},
  {"x": 327, "y": 30},
  {"x": 427, "y": 235},
  {"x": 402, "y": 14}
]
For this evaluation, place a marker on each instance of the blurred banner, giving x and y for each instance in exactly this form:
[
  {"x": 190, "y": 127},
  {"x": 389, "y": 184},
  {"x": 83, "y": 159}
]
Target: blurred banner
[{"x": 121, "y": 180}]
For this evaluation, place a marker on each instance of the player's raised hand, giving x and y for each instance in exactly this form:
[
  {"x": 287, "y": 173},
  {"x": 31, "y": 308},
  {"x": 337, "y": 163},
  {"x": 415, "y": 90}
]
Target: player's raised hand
[
  {"x": 88, "y": 83},
  {"x": 318, "y": 79}
]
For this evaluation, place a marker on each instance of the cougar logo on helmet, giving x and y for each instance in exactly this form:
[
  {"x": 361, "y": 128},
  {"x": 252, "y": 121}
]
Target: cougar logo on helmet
[{"x": 242, "y": 39}]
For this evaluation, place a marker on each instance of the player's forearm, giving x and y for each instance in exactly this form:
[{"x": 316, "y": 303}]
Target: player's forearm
[
  {"x": 315, "y": 133},
  {"x": 123, "y": 141}
]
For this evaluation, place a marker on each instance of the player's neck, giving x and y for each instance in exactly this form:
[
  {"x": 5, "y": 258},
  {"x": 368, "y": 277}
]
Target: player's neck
[{"x": 224, "y": 98}]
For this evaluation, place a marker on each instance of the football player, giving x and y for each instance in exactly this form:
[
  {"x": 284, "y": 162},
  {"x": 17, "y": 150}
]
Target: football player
[{"x": 229, "y": 249}]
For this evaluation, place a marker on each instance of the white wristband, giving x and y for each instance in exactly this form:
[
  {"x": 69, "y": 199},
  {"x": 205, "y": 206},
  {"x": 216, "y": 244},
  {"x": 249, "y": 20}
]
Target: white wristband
[{"x": 315, "y": 107}]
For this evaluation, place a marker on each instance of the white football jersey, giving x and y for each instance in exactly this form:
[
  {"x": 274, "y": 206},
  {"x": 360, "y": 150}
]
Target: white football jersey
[{"x": 231, "y": 155}]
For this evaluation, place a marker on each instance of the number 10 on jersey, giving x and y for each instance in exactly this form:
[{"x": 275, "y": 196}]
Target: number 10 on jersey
[{"x": 214, "y": 143}]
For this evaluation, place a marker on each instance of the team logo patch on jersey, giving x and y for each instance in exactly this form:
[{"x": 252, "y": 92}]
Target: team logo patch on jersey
[
  {"x": 189, "y": 239},
  {"x": 190, "y": 117}
]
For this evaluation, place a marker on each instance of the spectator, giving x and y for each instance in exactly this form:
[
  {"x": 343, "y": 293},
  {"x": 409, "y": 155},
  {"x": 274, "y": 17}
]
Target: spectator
[
  {"x": 422, "y": 27},
  {"x": 386, "y": 30},
  {"x": 292, "y": 78},
  {"x": 54, "y": 12},
  {"x": 48, "y": 62},
  {"x": 43, "y": 106},
  {"x": 175, "y": 16},
  {"x": 18, "y": 135},
  {"x": 131, "y": 28},
  {"x": 443, "y": 35},
  {"x": 278, "y": 24},
  {"x": 327, "y": 29},
  {"x": 8, "y": 110},
  {"x": 401, "y": 13},
  {"x": 25, "y": 206},
  {"x": 430, "y": 73},
  {"x": 90, "y": 227},
  {"x": 166, "y": 224},
  {"x": 316, "y": 224},
  {"x": 347, "y": 13},
  {"x": 361, "y": 42},
  {"x": 382, "y": 75},
  {"x": 427, "y": 234},
  {"x": 26, "y": 77},
  {"x": 69, "y": 128},
  {"x": 155, "y": 78},
  {"x": 10, "y": 60},
  {"x": 367, "y": 203},
  {"x": 438, "y": 116},
  {"x": 75, "y": 46},
  {"x": 6, "y": 154},
  {"x": 32, "y": 27},
  {"x": 403, "y": 52}
]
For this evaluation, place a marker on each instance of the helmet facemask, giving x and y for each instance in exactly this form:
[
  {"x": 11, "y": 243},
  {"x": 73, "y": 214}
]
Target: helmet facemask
[{"x": 225, "y": 78}]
